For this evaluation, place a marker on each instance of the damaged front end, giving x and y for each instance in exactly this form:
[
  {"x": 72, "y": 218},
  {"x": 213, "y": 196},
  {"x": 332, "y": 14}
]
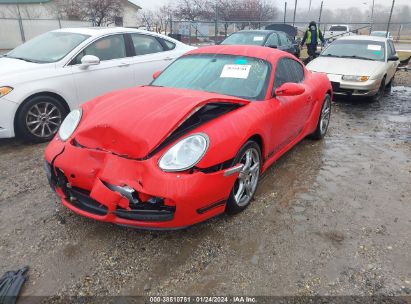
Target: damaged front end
[{"x": 111, "y": 186}]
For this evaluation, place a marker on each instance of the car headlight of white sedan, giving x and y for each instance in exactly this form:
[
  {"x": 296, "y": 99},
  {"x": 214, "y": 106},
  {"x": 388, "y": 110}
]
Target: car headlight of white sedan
[
  {"x": 185, "y": 154},
  {"x": 355, "y": 78},
  {"x": 70, "y": 124}
]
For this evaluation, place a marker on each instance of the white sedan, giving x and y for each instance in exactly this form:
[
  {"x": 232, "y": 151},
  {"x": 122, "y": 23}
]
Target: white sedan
[
  {"x": 358, "y": 65},
  {"x": 46, "y": 77}
]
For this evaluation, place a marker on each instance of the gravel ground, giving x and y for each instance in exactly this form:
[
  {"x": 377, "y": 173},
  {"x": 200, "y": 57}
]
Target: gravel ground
[{"x": 330, "y": 218}]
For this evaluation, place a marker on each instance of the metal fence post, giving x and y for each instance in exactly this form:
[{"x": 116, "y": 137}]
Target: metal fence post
[
  {"x": 285, "y": 10},
  {"x": 295, "y": 11},
  {"x": 216, "y": 24},
  {"x": 189, "y": 32},
  {"x": 23, "y": 37},
  {"x": 389, "y": 20}
]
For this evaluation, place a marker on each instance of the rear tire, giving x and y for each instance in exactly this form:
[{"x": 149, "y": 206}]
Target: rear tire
[
  {"x": 246, "y": 184},
  {"x": 323, "y": 119},
  {"x": 39, "y": 118}
]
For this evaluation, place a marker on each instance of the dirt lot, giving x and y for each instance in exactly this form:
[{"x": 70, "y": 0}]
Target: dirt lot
[{"x": 330, "y": 218}]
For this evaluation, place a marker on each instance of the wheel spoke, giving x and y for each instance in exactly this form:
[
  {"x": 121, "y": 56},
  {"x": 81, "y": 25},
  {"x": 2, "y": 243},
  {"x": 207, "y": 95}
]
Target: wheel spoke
[
  {"x": 42, "y": 130},
  {"x": 32, "y": 114},
  {"x": 54, "y": 123},
  {"x": 240, "y": 191},
  {"x": 33, "y": 122}
]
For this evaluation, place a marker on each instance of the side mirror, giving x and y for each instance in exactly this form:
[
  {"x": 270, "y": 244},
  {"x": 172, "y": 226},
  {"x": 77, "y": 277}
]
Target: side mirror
[
  {"x": 89, "y": 60},
  {"x": 273, "y": 46},
  {"x": 156, "y": 74},
  {"x": 289, "y": 89},
  {"x": 393, "y": 58}
]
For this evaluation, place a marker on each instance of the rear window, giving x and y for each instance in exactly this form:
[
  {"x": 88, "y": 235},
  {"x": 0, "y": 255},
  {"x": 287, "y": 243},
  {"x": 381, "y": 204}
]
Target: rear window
[{"x": 338, "y": 28}]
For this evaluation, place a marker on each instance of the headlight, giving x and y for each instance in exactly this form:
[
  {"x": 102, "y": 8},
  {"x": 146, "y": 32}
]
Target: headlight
[
  {"x": 355, "y": 78},
  {"x": 185, "y": 154},
  {"x": 70, "y": 124},
  {"x": 5, "y": 90}
]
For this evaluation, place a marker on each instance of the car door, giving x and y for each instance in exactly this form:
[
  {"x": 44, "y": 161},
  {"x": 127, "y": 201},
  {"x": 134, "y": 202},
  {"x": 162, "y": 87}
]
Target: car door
[
  {"x": 152, "y": 54},
  {"x": 114, "y": 71},
  {"x": 291, "y": 112},
  {"x": 391, "y": 65}
]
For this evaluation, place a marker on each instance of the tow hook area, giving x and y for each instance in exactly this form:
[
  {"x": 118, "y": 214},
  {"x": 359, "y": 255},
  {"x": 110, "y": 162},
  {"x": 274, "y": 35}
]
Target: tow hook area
[{"x": 152, "y": 210}]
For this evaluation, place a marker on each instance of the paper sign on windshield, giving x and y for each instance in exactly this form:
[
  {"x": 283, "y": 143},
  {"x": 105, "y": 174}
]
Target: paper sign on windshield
[
  {"x": 374, "y": 47},
  {"x": 235, "y": 71},
  {"x": 258, "y": 38}
]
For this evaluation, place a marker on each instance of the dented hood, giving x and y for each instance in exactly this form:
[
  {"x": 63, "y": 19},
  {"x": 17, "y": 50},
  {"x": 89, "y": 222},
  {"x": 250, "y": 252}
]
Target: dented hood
[{"x": 133, "y": 122}]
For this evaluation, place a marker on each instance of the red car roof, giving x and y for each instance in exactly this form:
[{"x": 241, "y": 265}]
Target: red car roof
[{"x": 240, "y": 50}]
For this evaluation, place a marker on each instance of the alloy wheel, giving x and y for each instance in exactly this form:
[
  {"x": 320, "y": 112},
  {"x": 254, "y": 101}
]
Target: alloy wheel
[
  {"x": 325, "y": 115},
  {"x": 247, "y": 180},
  {"x": 43, "y": 119}
]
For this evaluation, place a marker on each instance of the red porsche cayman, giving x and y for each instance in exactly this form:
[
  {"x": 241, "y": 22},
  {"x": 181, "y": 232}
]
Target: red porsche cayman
[{"x": 190, "y": 145}]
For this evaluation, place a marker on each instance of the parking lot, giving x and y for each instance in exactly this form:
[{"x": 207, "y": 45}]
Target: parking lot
[{"x": 330, "y": 218}]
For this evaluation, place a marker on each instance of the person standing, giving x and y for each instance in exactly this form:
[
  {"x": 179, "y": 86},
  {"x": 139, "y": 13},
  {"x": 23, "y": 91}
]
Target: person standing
[{"x": 312, "y": 37}]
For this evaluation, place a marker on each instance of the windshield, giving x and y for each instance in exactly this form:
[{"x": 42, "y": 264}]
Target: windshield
[
  {"x": 246, "y": 38},
  {"x": 338, "y": 28},
  {"x": 243, "y": 77},
  {"x": 379, "y": 34},
  {"x": 48, "y": 47},
  {"x": 360, "y": 49}
]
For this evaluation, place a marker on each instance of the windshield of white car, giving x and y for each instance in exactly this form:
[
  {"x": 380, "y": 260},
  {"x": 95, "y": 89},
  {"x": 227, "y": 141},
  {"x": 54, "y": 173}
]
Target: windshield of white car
[
  {"x": 48, "y": 47},
  {"x": 357, "y": 49},
  {"x": 379, "y": 34},
  {"x": 238, "y": 76},
  {"x": 246, "y": 38}
]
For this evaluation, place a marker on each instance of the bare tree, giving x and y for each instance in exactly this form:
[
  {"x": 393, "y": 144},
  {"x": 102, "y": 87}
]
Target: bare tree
[{"x": 99, "y": 12}]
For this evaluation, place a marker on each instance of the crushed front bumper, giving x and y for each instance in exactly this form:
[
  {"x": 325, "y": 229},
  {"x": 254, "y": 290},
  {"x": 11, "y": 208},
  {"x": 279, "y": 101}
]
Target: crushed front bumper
[{"x": 111, "y": 188}]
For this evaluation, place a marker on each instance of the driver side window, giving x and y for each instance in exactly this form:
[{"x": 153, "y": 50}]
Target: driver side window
[
  {"x": 106, "y": 48},
  {"x": 288, "y": 70}
]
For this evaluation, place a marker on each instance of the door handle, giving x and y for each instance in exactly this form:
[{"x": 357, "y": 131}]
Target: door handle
[
  {"x": 168, "y": 58},
  {"x": 309, "y": 99},
  {"x": 123, "y": 65}
]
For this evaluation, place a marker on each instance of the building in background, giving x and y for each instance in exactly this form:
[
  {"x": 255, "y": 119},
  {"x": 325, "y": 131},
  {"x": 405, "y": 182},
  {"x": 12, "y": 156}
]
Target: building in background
[{"x": 52, "y": 9}]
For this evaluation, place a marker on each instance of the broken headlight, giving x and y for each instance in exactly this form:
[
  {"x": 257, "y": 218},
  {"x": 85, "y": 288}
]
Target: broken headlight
[
  {"x": 185, "y": 154},
  {"x": 70, "y": 124}
]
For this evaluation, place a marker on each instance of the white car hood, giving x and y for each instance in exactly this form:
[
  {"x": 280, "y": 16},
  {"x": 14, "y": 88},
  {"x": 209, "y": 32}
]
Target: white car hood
[
  {"x": 345, "y": 66},
  {"x": 13, "y": 68}
]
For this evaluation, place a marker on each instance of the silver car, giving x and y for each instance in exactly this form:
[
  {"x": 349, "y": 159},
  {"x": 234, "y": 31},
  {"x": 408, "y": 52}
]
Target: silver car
[{"x": 358, "y": 65}]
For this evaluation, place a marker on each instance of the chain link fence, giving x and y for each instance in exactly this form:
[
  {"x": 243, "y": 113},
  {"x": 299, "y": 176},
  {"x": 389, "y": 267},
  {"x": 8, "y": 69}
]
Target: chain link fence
[
  {"x": 14, "y": 32},
  {"x": 211, "y": 32}
]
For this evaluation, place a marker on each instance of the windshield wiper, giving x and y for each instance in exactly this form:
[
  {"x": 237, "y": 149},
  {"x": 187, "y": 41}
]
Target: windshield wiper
[
  {"x": 24, "y": 59},
  {"x": 357, "y": 57},
  {"x": 330, "y": 55}
]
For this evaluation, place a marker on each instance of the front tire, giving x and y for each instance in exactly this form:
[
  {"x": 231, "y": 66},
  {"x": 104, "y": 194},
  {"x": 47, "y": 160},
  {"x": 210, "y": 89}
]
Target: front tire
[
  {"x": 39, "y": 119},
  {"x": 246, "y": 184},
  {"x": 380, "y": 93},
  {"x": 324, "y": 119}
]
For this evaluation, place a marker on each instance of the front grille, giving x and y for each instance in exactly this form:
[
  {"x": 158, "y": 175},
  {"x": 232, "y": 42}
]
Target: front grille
[{"x": 81, "y": 199}]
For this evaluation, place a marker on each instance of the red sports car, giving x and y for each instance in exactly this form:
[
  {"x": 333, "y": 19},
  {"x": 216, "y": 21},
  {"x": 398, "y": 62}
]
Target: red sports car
[{"x": 190, "y": 145}]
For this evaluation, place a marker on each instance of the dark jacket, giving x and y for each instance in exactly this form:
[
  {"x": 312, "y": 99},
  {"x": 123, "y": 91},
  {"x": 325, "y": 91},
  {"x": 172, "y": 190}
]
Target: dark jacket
[{"x": 310, "y": 33}]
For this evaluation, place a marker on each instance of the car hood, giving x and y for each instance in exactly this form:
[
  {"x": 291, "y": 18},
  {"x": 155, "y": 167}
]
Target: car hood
[
  {"x": 133, "y": 122},
  {"x": 344, "y": 66},
  {"x": 10, "y": 67}
]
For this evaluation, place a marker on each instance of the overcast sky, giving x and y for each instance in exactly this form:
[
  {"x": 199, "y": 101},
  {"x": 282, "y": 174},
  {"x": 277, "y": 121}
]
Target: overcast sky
[{"x": 152, "y": 4}]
